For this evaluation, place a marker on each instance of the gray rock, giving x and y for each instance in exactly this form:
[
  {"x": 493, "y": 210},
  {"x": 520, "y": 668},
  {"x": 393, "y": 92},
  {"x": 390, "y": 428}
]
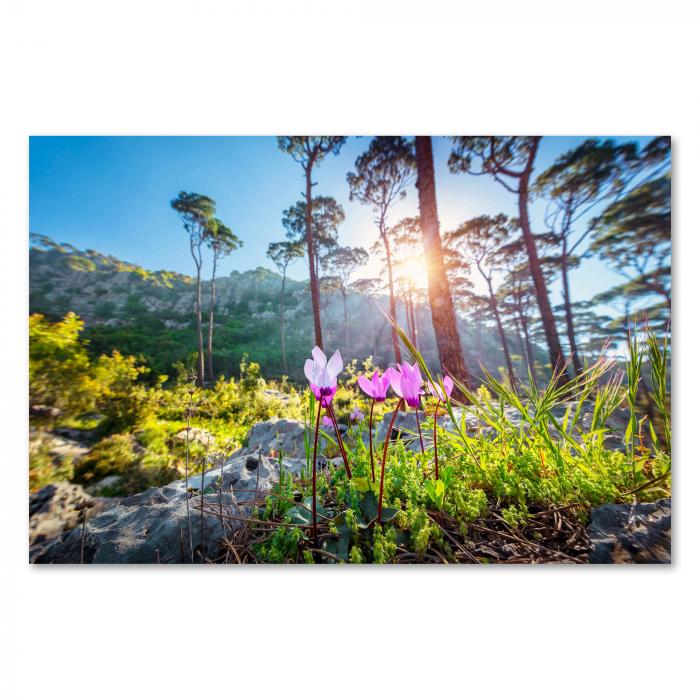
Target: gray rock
[
  {"x": 631, "y": 534},
  {"x": 200, "y": 435},
  {"x": 153, "y": 527},
  {"x": 44, "y": 412},
  {"x": 52, "y": 509},
  {"x": 104, "y": 483},
  {"x": 57, "y": 447},
  {"x": 405, "y": 427},
  {"x": 273, "y": 436}
]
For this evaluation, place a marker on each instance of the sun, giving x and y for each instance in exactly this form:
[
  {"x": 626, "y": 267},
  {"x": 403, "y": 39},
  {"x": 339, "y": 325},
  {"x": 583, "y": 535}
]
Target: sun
[{"x": 414, "y": 269}]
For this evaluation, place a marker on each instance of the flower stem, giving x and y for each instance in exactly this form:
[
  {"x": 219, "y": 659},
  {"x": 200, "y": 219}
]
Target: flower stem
[
  {"x": 386, "y": 446},
  {"x": 313, "y": 478},
  {"x": 435, "y": 440},
  {"x": 371, "y": 448},
  {"x": 331, "y": 412},
  {"x": 420, "y": 434}
]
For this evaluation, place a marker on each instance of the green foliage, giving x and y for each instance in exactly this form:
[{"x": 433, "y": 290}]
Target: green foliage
[
  {"x": 139, "y": 422},
  {"x": 44, "y": 469},
  {"x": 115, "y": 454},
  {"x": 58, "y": 364},
  {"x": 119, "y": 395}
]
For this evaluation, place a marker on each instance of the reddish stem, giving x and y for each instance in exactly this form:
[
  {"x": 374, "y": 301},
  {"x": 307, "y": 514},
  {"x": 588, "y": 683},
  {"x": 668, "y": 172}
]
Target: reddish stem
[
  {"x": 420, "y": 434},
  {"x": 331, "y": 412},
  {"x": 435, "y": 439},
  {"x": 386, "y": 446},
  {"x": 371, "y": 448},
  {"x": 313, "y": 478}
]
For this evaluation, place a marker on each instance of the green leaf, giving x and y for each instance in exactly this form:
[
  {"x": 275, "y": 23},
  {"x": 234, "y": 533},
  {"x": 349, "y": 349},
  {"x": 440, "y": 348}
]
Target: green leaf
[
  {"x": 361, "y": 483},
  {"x": 302, "y": 515},
  {"x": 389, "y": 514},
  {"x": 654, "y": 438},
  {"x": 369, "y": 505},
  {"x": 439, "y": 490}
]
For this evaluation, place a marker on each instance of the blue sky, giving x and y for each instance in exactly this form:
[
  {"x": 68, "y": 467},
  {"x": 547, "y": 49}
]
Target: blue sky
[{"x": 112, "y": 194}]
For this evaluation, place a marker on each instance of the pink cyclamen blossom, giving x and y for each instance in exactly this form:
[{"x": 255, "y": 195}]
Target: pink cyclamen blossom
[
  {"x": 376, "y": 387},
  {"x": 323, "y": 375},
  {"x": 356, "y": 415},
  {"x": 406, "y": 382},
  {"x": 437, "y": 391},
  {"x": 327, "y": 422}
]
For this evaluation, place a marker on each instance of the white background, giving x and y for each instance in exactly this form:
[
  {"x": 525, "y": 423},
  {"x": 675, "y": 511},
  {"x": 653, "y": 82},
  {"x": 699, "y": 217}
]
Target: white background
[{"x": 598, "y": 67}]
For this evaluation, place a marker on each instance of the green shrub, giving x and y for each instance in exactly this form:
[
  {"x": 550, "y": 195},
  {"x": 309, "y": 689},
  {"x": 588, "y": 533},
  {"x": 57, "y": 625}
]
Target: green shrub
[{"x": 115, "y": 454}]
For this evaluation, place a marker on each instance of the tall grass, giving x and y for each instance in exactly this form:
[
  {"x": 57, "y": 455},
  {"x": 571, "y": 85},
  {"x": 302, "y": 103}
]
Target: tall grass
[{"x": 566, "y": 419}]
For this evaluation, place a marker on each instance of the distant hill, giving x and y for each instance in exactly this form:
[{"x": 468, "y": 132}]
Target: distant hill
[{"x": 150, "y": 314}]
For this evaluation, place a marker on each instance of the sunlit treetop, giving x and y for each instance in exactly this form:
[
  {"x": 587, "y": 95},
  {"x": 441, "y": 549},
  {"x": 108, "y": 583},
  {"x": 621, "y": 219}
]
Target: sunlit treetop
[
  {"x": 310, "y": 150},
  {"x": 326, "y": 217},
  {"x": 382, "y": 173},
  {"x": 195, "y": 210},
  {"x": 220, "y": 238},
  {"x": 495, "y": 155}
]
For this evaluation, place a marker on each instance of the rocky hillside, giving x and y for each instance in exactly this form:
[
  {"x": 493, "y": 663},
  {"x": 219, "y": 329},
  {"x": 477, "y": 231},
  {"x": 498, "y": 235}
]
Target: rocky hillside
[{"x": 149, "y": 314}]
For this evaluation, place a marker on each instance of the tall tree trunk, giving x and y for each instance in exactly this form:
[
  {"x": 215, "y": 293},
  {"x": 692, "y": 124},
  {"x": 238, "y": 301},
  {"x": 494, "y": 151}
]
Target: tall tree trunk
[
  {"x": 444, "y": 319},
  {"x": 414, "y": 331},
  {"x": 517, "y": 329},
  {"x": 567, "y": 310},
  {"x": 414, "y": 315},
  {"x": 313, "y": 278},
  {"x": 407, "y": 313},
  {"x": 372, "y": 332},
  {"x": 345, "y": 320},
  {"x": 200, "y": 341},
  {"x": 284, "y": 346},
  {"x": 212, "y": 302},
  {"x": 528, "y": 344},
  {"x": 392, "y": 297},
  {"x": 501, "y": 333},
  {"x": 480, "y": 341},
  {"x": 556, "y": 357},
  {"x": 196, "y": 252}
]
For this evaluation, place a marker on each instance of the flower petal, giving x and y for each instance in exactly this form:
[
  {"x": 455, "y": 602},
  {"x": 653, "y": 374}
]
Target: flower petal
[
  {"x": 385, "y": 380},
  {"x": 395, "y": 380},
  {"x": 335, "y": 364},
  {"x": 366, "y": 386},
  {"x": 319, "y": 356},
  {"x": 309, "y": 370},
  {"x": 448, "y": 384},
  {"x": 324, "y": 378}
]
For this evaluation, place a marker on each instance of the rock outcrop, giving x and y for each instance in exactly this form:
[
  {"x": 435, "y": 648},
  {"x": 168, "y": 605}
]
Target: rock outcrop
[
  {"x": 631, "y": 534},
  {"x": 52, "y": 509},
  {"x": 275, "y": 436},
  {"x": 157, "y": 526}
]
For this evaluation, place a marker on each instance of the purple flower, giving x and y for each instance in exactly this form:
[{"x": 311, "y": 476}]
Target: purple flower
[
  {"x": 376, "y": 387},
  {"x": 406, "y": 382},
  {"x": 356, "y": 414},
  {"x": 327, "y": 422},
  {"x": 437, "y": 391},
  {"x": 323, "y": 375}
]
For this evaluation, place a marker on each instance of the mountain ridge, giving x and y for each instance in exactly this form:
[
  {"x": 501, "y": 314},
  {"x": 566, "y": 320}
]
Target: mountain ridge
[{"x": 150, "y": 314}]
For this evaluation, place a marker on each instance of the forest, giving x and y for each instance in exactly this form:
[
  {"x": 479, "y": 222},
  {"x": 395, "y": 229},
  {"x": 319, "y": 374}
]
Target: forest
[{"x": 462, "y": 403}]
